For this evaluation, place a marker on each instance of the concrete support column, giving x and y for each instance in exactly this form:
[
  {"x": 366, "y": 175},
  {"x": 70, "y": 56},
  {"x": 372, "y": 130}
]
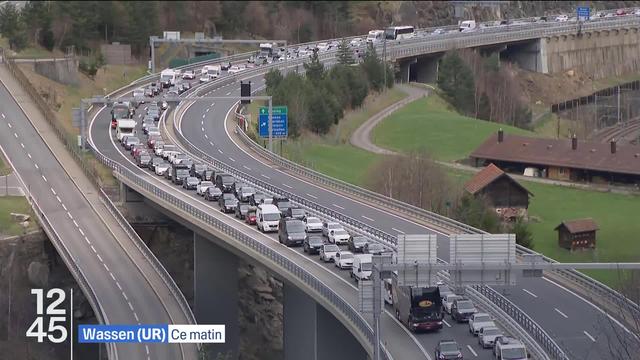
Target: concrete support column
[
  {"x": 426, "y": 70},
  {"x": 216, "y": 291},
  {"x": 127, "y": 195},
  {"x": 311, "y": 332}
]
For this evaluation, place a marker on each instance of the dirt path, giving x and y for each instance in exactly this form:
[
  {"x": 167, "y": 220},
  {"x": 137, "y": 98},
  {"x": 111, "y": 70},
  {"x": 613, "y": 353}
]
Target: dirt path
[{"x": 361, "y": 138}]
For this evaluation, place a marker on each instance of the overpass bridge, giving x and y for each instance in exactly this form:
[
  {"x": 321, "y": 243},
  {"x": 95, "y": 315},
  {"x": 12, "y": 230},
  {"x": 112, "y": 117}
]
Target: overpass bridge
[{"x": 311, "y": 288}]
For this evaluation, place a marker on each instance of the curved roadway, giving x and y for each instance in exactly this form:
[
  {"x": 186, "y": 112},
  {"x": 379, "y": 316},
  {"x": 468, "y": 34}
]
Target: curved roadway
[{"x": 578, "y": 326}]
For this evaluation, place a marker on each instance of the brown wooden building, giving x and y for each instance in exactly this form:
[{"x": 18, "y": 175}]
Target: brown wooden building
[
  {"x": 508, "y": 197},
  {"x": 577, "y": 234}
]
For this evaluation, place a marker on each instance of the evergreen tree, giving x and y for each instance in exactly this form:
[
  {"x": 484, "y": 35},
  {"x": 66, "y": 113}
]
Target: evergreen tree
[
  {"x": 314, "y": 68},
  {"x": 272, "y": 79},
  {"x": 12, "y": 26},
  {"x": 524, "y": 236},
  {"x": 455, "y": 78},
  {"x": 345, "y": 55},
  {"x": 374, "y": 68}
]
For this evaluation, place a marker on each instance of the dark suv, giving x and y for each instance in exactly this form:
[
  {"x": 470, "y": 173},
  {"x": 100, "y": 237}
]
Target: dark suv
[
  {"x": 312, "y": 244},
  {"x": 295, "y": 213},
  {"x": 357, "y": 243},
  {"x": 462, "y": 309},
  {"x": 225, "y": 182},
  {"x": 282, "y": 203},
  {"x": 448, "y": 349},
  {"x": 291, "y": 232}
]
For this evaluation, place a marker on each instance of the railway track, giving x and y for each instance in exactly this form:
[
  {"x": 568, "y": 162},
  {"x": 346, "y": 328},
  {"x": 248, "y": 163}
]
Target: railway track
[{"x": 621, "y": 132}]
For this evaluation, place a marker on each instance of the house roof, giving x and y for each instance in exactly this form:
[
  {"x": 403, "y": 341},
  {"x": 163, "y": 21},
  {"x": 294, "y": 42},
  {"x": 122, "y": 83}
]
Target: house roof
[
  {"x": 552, "y": 152},
  {"x": 579, "y": 225},
  {"x": 487, "y": 176}
]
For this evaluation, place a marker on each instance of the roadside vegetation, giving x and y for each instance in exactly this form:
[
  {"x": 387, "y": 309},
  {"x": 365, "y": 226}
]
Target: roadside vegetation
[{"x": 15, "y": 204}]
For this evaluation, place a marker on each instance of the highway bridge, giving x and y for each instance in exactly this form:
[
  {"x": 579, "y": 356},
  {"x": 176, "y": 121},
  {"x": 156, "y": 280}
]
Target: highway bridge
[{"x": 320, "y": 302}]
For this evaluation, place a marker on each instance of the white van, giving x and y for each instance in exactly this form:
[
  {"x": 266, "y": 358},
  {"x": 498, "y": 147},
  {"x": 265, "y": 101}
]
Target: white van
[
  {"x": 467, "y": 25},
  {"x": 125, "y": 128},
  {"x": 212, "y": 70},
  {"x": 362, "y": 266},
  {"x": 267, "y": 217},
  {"x": 375, "y": 37}
]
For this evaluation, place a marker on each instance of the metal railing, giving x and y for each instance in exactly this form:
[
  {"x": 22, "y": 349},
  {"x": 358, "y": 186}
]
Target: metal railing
[{"x": 347, "y": 310}]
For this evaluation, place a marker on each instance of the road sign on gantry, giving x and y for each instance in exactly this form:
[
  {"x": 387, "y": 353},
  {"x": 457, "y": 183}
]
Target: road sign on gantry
[
  {"x": 415, "y": 250},
  {"x": 280, "y": 127},
  {"x": 491, "y": 249}
]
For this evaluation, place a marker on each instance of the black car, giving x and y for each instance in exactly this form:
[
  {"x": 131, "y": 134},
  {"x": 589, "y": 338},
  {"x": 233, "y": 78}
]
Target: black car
[
  {"x": 241, "y": 210},
  {"x": 186, "y": 85},
  {"x": 282, "y": 203},
  {"x": 225, "y": 182},
  {"x": 295, "y": 213},
  {"x": 373, "y": 248},
  {"x": 197, "y": 170},
  {"x": 155, "y": 88},
  {"x": 256, "y": 198},
  {"x": 462, "y": 309},
  {"x": 291, "y": 232},
  {"x": 357, "y": 243},
  {"x": 312, "y": 244},
  {"x": 208, "y": 175},
  {"x": 245, "y": 192},
  {"x": 190, "y": 183},
  {"x": 448, "y": 349},
  {"x": 144, "y": 160},
  {"x": 212, "y": 193},
  {"x": 228, "y": 203},
  {"x": 156, "y": 160}
]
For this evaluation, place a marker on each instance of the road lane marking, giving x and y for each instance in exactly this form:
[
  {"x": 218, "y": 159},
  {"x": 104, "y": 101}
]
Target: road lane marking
[
  {"x": 561, "y": 313},
  {"x": 202, "y": 122},
  {"x": 64, "y": 207},
  {"x": 29, "y": 155},
  {"x": 81, "y": 232},
  {"x": 207, "y": 109},
  {"x": 22, "y": 145},
  {"x": 125, "y": 296},
  {"x": 232, "y": 159},
  {"x": 589, "y": 336},
  {"x": 58, "y": 198},
  {"x": 53, "y": 191},
  {"x": 265, "y": 176},
  {"x": 100, "y": 258},
  {"x": 36, "y": 165},
  {"x": 107, "y": 268},
  {"x": 368, "y": 218},
  {"x": 3, "y": 116},
  {"x": 130, "y": 306},
  {"x": 69, "y": 214},
  {"x": 206, "y": 136},
  {"x": 220, "y": 151},
  {"x": 229, "y": 93},
  {"x": 210, "y": 143},
  {"x": 312, "y": 196},
  {"x": 9, "y": 125},
  {"x": 94, "y": 250},
  {"x": 135, "y": 315},
  {"x": 338, "y": 206},
  {"x": 472, "y": 351},
  {"x": 118, "y": 285},
  {"x": 87, "y": 240},
  {"x": 202, "y": 129},
  {"x": 113, "y": 277},
  {"x": 16, "y": 135},
  {"x": 44, "y": 178},
  {"x": 400, "y": 231},
  {"x": 530, "y": 293},
  {"x": 446, "y": 323},
  {"x": 288, "y": 186},
  {"x": 75, "y": 223},
  {"x": 203, "y": 115}
]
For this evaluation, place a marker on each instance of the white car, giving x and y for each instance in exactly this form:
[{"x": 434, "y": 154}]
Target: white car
[
  {"x": 562, "y": 18},
  {"x": 339, "y": 237},
  {"x": 189, "y": 75},
  {"x": 166, "y": 154},
  {"x": 328, "y": 252},
  {"x": 161, "y": 169},
  {"x": 236, "y": 69},
  {"x": 313, "y": 224},
  {"x": 355, "y": 42},
  {"x": 322, "y": 46},
  {"x": 202, "y": 187},
  {"x": 158, "y": 150},
  {"x": 327, "y": 226},
  {"x": 205, "y": 78},
  {"x": 487, "y": 336},
  {"x": 344, "y": 259},
  {"x": 478, "y": 321},
  {"x": 447, "y": 301}
]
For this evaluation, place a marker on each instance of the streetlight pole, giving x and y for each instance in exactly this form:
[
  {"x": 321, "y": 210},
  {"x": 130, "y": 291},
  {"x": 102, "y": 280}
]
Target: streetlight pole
[
  {"x": 384, "y": 60},
  {"x": 270, "y": 125}
]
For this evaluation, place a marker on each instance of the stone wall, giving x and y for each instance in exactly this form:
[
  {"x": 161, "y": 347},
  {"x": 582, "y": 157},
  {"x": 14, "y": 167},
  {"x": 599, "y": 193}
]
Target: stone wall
[
  {"x": 117, "y": 54},
  {"x": 599, "y": 54}
]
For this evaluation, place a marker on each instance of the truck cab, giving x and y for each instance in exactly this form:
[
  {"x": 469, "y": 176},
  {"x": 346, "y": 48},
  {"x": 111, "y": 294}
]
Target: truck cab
[
  {"x": 362, "y": 267},
  {"x": 268, "y": 217},
  {"x": 419, "y": 308}
]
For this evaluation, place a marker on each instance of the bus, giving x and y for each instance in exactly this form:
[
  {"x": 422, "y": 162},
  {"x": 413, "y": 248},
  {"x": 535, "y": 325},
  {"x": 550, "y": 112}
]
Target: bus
[
  {"x": 419, "y": 308},
  {"x": 399, "y": 32},
  {"x": 120, "y": 110},
  {"x": 375, "y": 37}
]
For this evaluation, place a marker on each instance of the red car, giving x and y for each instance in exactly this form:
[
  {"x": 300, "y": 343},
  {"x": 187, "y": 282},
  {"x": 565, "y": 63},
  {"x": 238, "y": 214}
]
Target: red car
[
  {"x": 250, "y": 218},
  {"x": 114, "y": 124}
]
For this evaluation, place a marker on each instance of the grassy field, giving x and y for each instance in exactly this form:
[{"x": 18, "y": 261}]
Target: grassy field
[
  {"x": 429, "y": 123},
  {"x": 15, "y": 204},
  {"x": 4, "y": 167}
]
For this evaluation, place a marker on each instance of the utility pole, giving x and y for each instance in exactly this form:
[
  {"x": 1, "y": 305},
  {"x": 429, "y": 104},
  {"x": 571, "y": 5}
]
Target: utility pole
[{"x": 384, "y": 60}]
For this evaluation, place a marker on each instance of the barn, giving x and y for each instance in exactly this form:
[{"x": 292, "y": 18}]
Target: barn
[{"x": 577, "y": 234}]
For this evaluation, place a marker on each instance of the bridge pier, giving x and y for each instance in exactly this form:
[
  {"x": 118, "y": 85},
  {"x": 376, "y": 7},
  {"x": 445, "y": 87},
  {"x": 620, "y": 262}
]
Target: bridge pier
[
  {"x": 216, "y": 291},
  {"x": 425, "y": 70},
  {"x": 311, "y": 332}
]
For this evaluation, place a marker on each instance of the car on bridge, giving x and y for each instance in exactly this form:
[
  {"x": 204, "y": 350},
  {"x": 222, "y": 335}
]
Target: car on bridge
[
  {"x": 448, "y": 300},
  {"x": 228, "y": 203},
  {"x": 328, "y": 252},
  {"x": 487, "y": 336},
  {"x": 343, "y": 259},
  {"x": 508, "y": 348},
  {"x": 291, "y": 232},
  {"x": 268, "y": 217},
  {"x": 313, "y": 224},
  {"x": 448, "y": 349},
  {"x": 478, "y": 321},
  {"x": 296, "y": 213},
  {"x": 357, "y": 243},
  {"x": 162, "y": 169},
  {"x": 327, "y": 226},
  {"x": 242, "y": 210},
  {"x": 374, "y": 249},
  {"x": 212, "y": 193},
  {"x": 462, "y": 309},
  {"x": 190, "y": 183},
  {"x": 339, "y": 237},
  {"x": 188, "y": 75},
  {"x": 312, "y": 244},
  {"x": 203, "y": 186}
]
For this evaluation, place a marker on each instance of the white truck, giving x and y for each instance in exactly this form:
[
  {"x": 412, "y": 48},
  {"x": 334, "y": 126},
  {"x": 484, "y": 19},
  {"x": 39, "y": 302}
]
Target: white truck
[
  {"x": 267, "y": 217},
  {"x": 125, "y": 128},
  {"x": 375, "y": 37},
  {"x": 467, "y": 26},
  {"x": 362, "y": 266},
  {"x": 168, "y": 78}
]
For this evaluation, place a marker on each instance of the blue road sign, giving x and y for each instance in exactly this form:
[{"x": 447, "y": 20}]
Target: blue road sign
[
  {"x": 583, "y": 13},
  {"x": 280, "y": 127}
]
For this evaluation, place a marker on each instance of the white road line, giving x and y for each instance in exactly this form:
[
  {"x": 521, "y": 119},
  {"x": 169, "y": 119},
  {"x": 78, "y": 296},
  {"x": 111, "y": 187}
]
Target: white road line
[
  {"x": 265, "y": 176},
  {"x": 118, "y": 285},
  {"x": 312, "y": 196},
  {"x": 36, "y": 165},
  {"x": 58, "y": 198},
  {"x": 213, "y": 103},
  {"x": 100, "y": 258},
  {"x": 22, "y": 145},
  {"x": 75, "y": 223},
  {"x": 135, "y": 315},
  {"x": 130, "y": 306},
  {"x": 64, "y": 207},
  {"x": 81, "y": 232},
  {"x": 288, "y": 186},
  {"x": 472, "y": 351},
  {"x": 210, "y": 143},
  {"x": 229, "y": 93},
  {"x": 70, "y": 216},
  {"x": 3, "y": 116},
  {"x": 53, "y": 191},
  {"x": 446, "y": 323},
  {"x": 113, "y": 277},
  {"x": 146, "y": 348},
  {"x": 202, "y": 129},
  {"x": 203, "y": 115},
  {"x": 29, "y": 155},
  {"x": 206, "y": 136},
  {"x": 94, "y": 249},
  {"x": 530, "y": 293},
  {"x": 125, "y": 297},
  {"x": 44, "y": 178},
  {"x": 368, "y": 218},
  {"x": 561, "y": 313},
  {"x": 9, "y": 125},
  {"x": 207, "y": 109},
  {"x": 589, "y": 336},
  {"x": 202, "y": 122},
  {"x": 400, "y": 231},
  {"x": 220, "y": 151},
  {"x": 232, "y": 159},
  {"x": 338, "y": 206},
  {"x": 87, "y": 240},
  {"x": 16, "y": 135},
  {"x": 107, "y": 268}
]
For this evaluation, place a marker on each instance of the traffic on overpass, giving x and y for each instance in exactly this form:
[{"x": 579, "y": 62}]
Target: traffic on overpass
[{"x": 197, "y": 212}]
